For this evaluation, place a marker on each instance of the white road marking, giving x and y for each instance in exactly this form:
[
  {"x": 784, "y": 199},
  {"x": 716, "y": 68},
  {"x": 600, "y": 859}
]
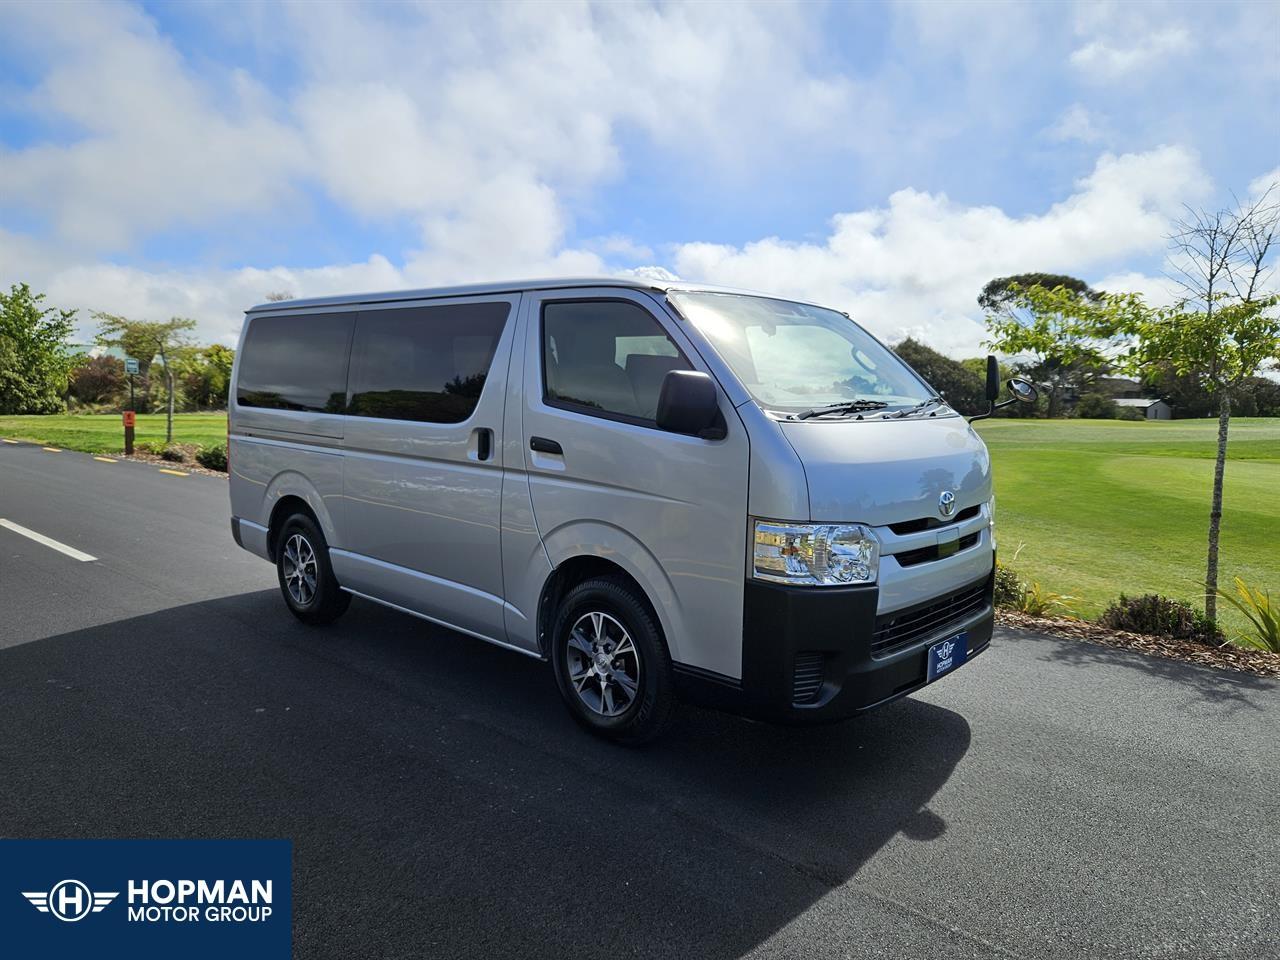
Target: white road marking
[
  {"x": 7, "y": 440},
  {"x": 22, "y": 531}
]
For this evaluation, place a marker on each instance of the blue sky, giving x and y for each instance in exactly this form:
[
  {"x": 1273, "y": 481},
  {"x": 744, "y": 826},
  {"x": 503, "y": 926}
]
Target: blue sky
[{"x": 162, "y": 159}]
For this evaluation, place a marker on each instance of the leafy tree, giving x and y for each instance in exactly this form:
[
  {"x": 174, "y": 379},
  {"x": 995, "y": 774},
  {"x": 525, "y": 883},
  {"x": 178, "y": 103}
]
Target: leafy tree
[
  {"x": 1000, "y": 291},
  {"x": 205, "y": 376},
  {"x": 961, "y": 387},
  {"x": 1069, "y": 337},
  {"x": 1096, "y": 406},
  {"x": 1224, "y": 331},
  {"x": 34, "y": 360},
  {"x": 98, "y": 380},
  {"x": 145, "y": 340}
]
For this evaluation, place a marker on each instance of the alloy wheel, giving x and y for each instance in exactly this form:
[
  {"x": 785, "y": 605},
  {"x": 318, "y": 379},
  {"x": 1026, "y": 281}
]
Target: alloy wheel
[
  {"x": 604, "y": 664},
  {"x": 300, "y": 569}
]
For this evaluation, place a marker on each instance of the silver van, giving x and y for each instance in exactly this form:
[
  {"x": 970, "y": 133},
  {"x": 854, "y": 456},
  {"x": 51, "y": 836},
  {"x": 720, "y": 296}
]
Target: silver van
[{"x": 669, "y": 491}]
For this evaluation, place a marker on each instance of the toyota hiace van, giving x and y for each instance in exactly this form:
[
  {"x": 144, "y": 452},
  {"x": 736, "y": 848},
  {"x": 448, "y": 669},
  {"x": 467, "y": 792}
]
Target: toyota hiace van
[{"x": 668, "y": 491}]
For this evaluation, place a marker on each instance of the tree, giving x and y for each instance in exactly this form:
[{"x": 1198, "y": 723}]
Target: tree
[
  {"x": 1001, "y": 290},
  {"x": 205, "y": 375},
  {"x": 98, "y": 380},
  {"x": 1224, "y": 330},
  {"x": 34, "y": 359},
  {"x": 962, "y": 388},
  {"x": 1096, "y": 406},
  {"x": 145, "y": 340},
  {"x": 1069, "y": 336}
]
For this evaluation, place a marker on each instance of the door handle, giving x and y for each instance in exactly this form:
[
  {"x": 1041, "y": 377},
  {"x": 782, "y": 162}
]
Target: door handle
[
  {"x": 543, "y": 445},
  {"x": 483, "y": 437}
]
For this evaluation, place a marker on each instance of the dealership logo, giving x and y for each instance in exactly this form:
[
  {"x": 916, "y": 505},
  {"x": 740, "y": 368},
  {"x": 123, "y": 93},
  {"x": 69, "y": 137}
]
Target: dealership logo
[
  {"x": 70, "y": 900},
  {"x": 945, "y": 651}
]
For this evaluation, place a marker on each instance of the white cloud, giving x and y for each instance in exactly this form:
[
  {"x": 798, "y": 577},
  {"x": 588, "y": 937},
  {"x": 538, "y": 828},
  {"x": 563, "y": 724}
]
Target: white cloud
[
  {"x": 158, "y": 149},
  {"x": 431, "y": 114},
  {"x": 1076, "y": 123},
  {"x": 915, "y": 267},
  {"x": 1106, "y": 59},
  {"x": 1268, "y": 181}
]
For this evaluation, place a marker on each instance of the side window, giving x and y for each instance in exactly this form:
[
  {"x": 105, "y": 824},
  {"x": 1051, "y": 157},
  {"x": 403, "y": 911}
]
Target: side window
[
  {"x": 296, "y": 363},
  {"x": 424, "y": 363},
  {"x": 606, "y": 356}
]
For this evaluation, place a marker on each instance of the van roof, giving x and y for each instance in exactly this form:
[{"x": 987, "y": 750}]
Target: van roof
[{"x": 509, "y": 286}]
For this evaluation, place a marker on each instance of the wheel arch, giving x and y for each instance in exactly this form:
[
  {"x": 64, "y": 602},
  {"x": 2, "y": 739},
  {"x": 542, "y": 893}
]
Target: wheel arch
[
  {"x": 284, "y": 508},
  {"x": 578, "y": 569}
]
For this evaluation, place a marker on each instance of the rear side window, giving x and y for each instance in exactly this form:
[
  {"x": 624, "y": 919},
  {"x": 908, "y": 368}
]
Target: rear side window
[
  {"x": 296, "y": 363},
  {"x": 606, "y": 357},
  {"x": 424, "y": 363}
]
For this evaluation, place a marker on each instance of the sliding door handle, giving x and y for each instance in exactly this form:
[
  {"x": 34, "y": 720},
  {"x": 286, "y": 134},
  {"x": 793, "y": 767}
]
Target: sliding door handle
[
  {"x": 543, "y": 445},
  {"x": 482, "y": 443}
]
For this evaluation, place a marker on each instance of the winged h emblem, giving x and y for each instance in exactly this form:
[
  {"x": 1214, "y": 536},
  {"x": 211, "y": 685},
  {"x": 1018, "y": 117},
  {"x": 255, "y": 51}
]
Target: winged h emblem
[{"x": 70, "y": 900}]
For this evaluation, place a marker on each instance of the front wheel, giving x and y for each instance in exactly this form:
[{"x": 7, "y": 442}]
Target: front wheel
[
  {"x": 310, "y": 589},
  {"x": 611, "y": 663}
]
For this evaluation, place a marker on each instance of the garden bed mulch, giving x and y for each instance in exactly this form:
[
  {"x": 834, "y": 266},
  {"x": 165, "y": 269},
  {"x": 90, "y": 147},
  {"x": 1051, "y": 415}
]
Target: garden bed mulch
[
  {"x": 187, "y": 466},
  {"x": 1257, "y": 662}
]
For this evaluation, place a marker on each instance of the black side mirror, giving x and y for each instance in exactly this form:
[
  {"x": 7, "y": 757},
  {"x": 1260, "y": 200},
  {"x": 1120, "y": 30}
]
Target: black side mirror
[
  {"x": 687, "y": 404},
  {"x": 1024, "y": 391}
]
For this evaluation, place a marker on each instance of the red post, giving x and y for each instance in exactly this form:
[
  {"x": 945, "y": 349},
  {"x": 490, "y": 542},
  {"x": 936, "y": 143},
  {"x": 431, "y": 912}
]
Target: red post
[{"x": 129, "y": 418}]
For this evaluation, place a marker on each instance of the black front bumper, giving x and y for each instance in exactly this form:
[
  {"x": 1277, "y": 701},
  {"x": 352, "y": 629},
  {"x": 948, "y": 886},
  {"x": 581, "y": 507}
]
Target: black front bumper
[{"x": 807, "y": 653}]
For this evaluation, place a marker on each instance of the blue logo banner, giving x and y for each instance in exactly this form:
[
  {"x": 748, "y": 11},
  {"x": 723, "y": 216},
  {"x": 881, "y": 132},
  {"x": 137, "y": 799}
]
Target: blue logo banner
[{"x": 147, "y": 898}]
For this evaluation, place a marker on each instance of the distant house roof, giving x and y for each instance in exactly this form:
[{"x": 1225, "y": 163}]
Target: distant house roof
[{"x": 1140, "y": 402}]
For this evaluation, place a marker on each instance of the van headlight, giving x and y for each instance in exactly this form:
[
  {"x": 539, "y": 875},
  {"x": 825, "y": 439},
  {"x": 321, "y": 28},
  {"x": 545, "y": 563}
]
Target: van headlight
[{"x": 822, "y": 554}]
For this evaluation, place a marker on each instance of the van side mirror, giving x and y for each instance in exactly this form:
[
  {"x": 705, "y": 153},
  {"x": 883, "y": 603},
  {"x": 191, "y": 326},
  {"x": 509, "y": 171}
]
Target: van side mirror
[
  {"x": 1024, "y": 391},
  {"x": 993, "y": 379},
  {"x": 687, "y": 404}
]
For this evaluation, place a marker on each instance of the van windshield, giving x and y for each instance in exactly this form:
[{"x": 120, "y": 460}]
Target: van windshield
[{"x": 793, "y": 357}]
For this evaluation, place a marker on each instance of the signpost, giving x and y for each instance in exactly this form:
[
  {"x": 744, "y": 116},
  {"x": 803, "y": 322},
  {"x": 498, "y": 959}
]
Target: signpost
[{"x": 131, "y": 368}]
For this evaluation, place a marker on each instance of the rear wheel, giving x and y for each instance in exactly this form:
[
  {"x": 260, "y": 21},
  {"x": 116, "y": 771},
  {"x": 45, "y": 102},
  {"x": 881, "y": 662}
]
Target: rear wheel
[
  {"x": 611, "y": 663},
  {"x": 310, "y": 589}
]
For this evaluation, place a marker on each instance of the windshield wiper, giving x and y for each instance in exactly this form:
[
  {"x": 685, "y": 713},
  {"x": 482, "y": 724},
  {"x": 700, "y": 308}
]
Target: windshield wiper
[
  {"x": 922, "y": 405},
  {"x": 849, "y": 406}
]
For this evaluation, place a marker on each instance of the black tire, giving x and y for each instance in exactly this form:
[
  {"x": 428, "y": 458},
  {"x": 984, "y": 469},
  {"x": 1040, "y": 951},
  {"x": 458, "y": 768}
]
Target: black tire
[
  {"x": 645, "y": 713},
  {"x": 324, "y": 602}
]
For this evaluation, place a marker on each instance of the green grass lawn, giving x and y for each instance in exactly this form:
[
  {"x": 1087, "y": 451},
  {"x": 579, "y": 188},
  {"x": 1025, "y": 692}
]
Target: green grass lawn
[
  {"x": 1099, "y": 507},
  {"x": 105, "y": 434}
]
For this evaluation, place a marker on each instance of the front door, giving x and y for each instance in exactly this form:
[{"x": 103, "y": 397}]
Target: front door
[
  {"x": 604, "y": 480},
  {"x": 422, "y": 475}
]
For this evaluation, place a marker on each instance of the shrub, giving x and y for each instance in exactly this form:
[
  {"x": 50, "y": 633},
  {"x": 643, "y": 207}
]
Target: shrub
[
  {"x": 1095, "y": 406},
  {"x": 173, "y": 453},
  {"x": 1256, "y": 605},
  {"x": 1160, "y": 616},
  {"x": 1036, "y": 601},
  {"x": 147, "y": 446},
  {"x": 1009, "y": 588},
  {"x": 214, "y": 458}
]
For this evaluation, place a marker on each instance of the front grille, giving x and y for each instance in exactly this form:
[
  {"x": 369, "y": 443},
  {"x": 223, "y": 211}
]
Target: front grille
[
  {"x": 807, "y": 677},
  {"x": 900, "y": 629},
  {"x": 930, "y": 523},
  {"x": 910, "y": 558}
]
